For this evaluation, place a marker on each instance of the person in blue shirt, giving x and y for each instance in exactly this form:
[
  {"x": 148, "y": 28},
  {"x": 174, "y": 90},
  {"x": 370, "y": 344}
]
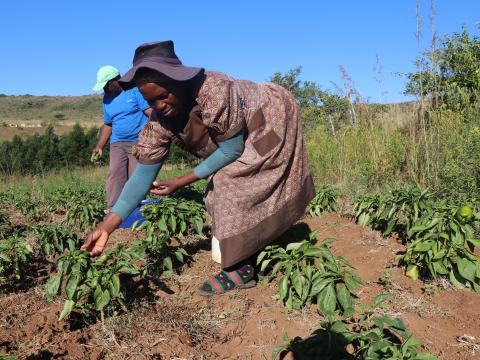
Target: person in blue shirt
[{"x": 125, "y": 113}]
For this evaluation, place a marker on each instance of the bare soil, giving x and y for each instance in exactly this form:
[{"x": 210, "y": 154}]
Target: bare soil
[{"x": 170, "y": 321}]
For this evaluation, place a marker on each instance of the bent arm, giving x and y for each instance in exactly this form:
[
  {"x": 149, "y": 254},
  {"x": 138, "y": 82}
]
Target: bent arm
[
  {"x": 135, "y": 189},
  {"x": 106, "y": 132},
  {"x": 228, "y": 151}
]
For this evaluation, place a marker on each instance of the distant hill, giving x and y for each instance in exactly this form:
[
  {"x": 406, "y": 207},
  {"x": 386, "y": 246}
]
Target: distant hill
[{"x": 48, "y": 109}]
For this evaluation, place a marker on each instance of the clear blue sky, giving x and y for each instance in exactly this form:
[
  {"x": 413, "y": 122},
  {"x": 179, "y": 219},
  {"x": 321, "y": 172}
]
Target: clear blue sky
[{"x": 55, "y": 47}]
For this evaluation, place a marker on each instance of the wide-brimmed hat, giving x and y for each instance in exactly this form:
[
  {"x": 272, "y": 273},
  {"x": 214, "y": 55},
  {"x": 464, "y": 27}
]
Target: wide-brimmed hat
[
  {"x": 159, "y": 56},
  {"x": 104, "y": 75}
]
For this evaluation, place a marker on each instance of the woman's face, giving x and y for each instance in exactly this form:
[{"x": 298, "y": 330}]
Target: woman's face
[
  {"x": 167, "y": 100},
  {"x": 112, "y": 87}
]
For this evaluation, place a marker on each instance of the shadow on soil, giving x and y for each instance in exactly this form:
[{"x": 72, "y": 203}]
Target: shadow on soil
[
  {"x": 322, "y": 345},
  {"x": 295, "y": 233}
]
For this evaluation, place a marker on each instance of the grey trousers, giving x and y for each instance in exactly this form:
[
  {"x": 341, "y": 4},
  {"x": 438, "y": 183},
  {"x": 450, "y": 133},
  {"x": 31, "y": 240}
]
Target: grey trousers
[{"x": 122, "y": 166}]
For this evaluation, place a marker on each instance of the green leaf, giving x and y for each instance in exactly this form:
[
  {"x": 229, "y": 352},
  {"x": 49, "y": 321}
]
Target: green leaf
[
  {"x": 338, "y": 327},
  {"x": 351, "y": 282},
  {"x": 261, "y": 256},
  {"x": 102, "y": 298},
  {"x": 179, "y": 256},
  {"x": 474, "y": 242},
  {"x": 458, "y": 239},
  {"x": 283, "y": 288},
  {"x": 5, "y": 258},
  {"x": 456, "y": 280},
  {"x": 397, "y": 325},
  {"x": 344, "y": 297},
  {"x": 364, "y": 219},
  {"x": 294, "y": 246},
  {"x": 380, "y": 299},
  {"x": 173, "y": 222},
  {"x": 52, "y": 286},
  {"x": 265, "y": 264},
  {"x": 312, "y": 251},
  {"x": 115, "y": 282},
  {"x": 319, "y": 284},
  {"x": 466, "y": 269},
  {"x": 440, "y": 268},
  {"x": 199, "y": 225},
  {"x": 391, "y": 224},
  {"x": 167, "y": 264},
  {"x": 286, "y": 266},
  {"x": 297, "y": 283},
  {"x": 128, "y": 268},
  {"x": 423, "y": 246},
  {"x": 326, "y": 300},
  {"x": 411, "y": 342},
  {"x": 67, "y": 309},
  {"x": 72, "y": 285}
]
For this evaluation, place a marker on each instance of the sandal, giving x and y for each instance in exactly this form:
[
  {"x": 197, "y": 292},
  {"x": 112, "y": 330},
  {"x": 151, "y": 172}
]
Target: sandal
[{"x": 241, "y": 278}]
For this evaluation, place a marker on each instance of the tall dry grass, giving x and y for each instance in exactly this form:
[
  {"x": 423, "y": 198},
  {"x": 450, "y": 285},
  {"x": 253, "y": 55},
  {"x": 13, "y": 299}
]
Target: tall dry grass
[{"x": 441, "y": 152}]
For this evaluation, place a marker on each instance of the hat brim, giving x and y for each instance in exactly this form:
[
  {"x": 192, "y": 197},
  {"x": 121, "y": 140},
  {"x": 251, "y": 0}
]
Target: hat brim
[
  {"x": 99, "y": 86},
  {"x": 176, "y": 72}
]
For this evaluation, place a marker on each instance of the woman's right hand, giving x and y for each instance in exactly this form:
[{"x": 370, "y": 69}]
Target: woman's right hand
[
  {"x": 98, "y": 150},
  {"x": 96, "y": 241},
  {"x": 98, "y": 237}
]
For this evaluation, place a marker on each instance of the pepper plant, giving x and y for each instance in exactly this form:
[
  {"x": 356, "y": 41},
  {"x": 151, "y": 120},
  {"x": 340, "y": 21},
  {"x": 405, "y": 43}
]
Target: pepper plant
[
  {"x": 325, "y": 200},
  {"x": 91, "y": 286},
  {"x": 173, "y": 217},
  {"x": 55, "y": 238},
  {"x": 25, "y": 205},
  {"x": 5, "y": 224},
  {"x": 15, "y": 256},
  {"x": 312, "y": 274},
  {"x": 85, "y": 213},
  {"x": 368, "y": 336},
  {"x": 397, "y": 209},
  {"x": 159, "y": 254},
  {"x": 442, "y": 243}
]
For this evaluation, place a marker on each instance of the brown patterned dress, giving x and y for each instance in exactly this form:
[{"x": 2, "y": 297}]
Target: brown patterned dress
[{"x": 262, "y": 193}]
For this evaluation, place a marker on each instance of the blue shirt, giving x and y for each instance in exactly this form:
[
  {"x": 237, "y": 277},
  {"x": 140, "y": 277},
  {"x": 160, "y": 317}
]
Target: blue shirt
[{"x": 124, "y": 113}]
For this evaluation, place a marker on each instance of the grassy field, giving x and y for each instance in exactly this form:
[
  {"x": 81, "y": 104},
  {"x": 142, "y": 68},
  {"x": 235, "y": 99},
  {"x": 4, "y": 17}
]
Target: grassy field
[
  {"x": 60, "y": 111},
  {"x": 25, "y": 108},
  {"x": 92, "y": 176}
]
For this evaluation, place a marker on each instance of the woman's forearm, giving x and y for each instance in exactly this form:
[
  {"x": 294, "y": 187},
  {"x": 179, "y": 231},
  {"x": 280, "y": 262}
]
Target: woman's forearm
[
  {"x": 135, "y": 189},
  {"x": 104, "y": 136},
  {"x": 227, "y": 152},
  {"x": 111, "y": 222}
]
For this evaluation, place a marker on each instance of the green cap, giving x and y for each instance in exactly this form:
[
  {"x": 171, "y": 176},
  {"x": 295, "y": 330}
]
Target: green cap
[{"x": 104, "y": 75}]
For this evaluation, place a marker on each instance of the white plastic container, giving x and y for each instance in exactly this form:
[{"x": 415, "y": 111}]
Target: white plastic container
[{"x": 216, "y": 254}]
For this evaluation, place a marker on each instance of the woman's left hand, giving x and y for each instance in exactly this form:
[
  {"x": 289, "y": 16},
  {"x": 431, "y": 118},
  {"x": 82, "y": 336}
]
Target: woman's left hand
[
  {"x": 169, "y": 186},
  {"x": 166, "y": 187}
]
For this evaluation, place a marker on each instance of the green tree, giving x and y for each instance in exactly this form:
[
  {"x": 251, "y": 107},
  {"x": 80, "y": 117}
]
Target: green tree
[
  {"x": 48, "y": 153},
  {"x": 316, "y": 105},
  {"x": 449, "y": 76},
  {"x": 74, "y": 147}
]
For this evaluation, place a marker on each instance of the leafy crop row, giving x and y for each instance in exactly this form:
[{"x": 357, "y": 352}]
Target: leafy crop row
[
  {"x": 441, "y": 238},
  {"x": 325, "y": 200},
  {"x": 368, "y": 336},
  {"x": 311, "y": 274},
  {"x": 91, "y": 285}
]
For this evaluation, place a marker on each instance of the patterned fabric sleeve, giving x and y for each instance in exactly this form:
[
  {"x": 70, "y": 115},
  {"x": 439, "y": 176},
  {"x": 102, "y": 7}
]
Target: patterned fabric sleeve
[
  {"x": 153, "y": 143},
  {"x": 221, "y": 106}
]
